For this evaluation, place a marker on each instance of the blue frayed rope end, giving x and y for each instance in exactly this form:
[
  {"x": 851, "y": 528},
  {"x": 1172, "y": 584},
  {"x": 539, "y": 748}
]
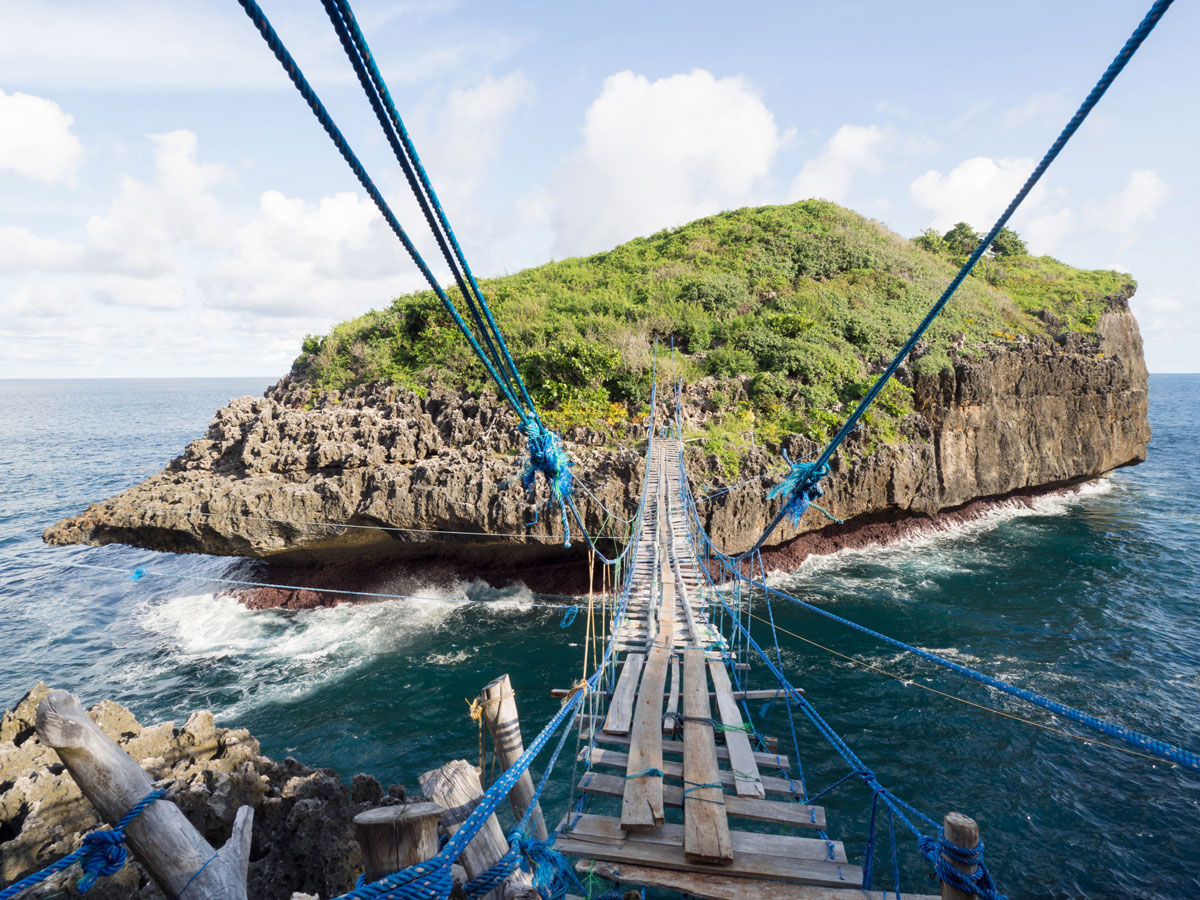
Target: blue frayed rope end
[
  {"x": 547, "y": 456},
  {"x": 802, "y": 486}
]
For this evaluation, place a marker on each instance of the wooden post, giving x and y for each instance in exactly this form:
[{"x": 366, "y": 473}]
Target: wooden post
[
  {"x": 963, "y": 831},
  {"x": 162, "y": 839},
  {"x": 455, "y": 787},
  {"x": 396, "y": 837},
  {"x": 499, "y": 707}
]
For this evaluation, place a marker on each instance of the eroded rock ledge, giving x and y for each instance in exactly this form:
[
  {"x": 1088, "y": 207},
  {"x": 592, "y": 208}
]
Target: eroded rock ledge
[
  {"x": 303, "y": 839},
  {"x": 271, "y": 472}
]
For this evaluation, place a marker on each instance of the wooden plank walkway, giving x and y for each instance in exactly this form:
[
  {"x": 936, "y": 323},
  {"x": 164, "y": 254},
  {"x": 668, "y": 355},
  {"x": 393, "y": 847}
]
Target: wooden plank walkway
[{"x": 680, "y": 774}]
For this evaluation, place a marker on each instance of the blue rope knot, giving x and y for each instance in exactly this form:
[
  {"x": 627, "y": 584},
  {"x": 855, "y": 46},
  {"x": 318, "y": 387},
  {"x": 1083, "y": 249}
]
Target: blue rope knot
[
  {"x": 802, "y": 486},
  {"x": 547, "y": 456},
  {"x": 939, "y": 851},
  {"x": 104, "y": 854},
  {"x": 569, "y": 617}
]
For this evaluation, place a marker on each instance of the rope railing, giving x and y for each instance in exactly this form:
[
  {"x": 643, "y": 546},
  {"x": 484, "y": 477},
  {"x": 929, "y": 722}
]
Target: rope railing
[{"x": 802, "y": 485}]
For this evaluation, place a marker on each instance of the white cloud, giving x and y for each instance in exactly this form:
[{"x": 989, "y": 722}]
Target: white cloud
[
  {"x": 293, "y": 258},
  {"x": 1133, "y": 206},
  {"x": 1045, "y": 233},
  {"x": 657, "y": 154},
  {"x": 23, "y": 251},
  {"x": 976, "y": 191},
  {"x": 470, "y": 131},
  {"x": 151, "y": 222},
  {"x": 1043, "y": 105},
  {"x": 851, "y": 150},
  {"x": 36, "y": 139}
]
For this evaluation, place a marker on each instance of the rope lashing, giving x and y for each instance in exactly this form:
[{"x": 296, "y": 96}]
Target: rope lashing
[
  {"x": 801, "y": 486},
  {"x": 569, "y": 617},
  {"x": 547, "y": 456},
  {"x": 939, "y": 851},
  {"x": 102, "y": 853}
]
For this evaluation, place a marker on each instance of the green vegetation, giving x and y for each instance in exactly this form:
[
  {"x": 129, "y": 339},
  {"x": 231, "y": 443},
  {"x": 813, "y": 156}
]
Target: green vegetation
[{"x": 789, "y": 309}]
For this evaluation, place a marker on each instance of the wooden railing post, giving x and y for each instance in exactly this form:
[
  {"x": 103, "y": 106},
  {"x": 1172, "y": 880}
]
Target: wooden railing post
[
  {"x": 396, "y": 837},
  {"x": 964, "y": 832},
  {"x": 455, "y": 787},
  {"x": 499, "y": 707}
]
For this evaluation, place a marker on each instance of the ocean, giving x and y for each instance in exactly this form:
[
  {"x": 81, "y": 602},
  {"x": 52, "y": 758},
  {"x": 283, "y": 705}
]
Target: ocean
[{"x": 1090, "y": 598}]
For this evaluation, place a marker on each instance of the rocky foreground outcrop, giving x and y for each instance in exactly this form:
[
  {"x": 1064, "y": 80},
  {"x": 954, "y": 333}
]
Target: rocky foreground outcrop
[
  {"x": 310, "y": 481},
  {"x": 303, "y": 839}
]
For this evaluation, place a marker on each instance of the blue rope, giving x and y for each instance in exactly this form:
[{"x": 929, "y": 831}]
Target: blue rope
[
  {"x": 569, "y": 617},
  {"x": 1142, "y": 742},
  {"x": 259, "y": 18},
  {"x": 102, "y": 853},
  {"x": 547, "y": 456},
  {"x": 359, "y": 53},
  {"x": 979, "y": 883},
  {"x": 802, "y": 475}
]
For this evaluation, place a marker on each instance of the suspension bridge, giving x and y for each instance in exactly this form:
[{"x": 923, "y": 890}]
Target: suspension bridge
[{"x": 673, "y": 786}]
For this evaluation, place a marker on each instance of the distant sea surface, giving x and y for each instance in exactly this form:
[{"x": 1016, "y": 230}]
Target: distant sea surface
[{"x": 1090, "y": 598}]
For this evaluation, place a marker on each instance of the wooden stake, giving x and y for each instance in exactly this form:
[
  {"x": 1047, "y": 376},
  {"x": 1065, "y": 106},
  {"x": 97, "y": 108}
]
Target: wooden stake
[
  {"x": 963, "y": 831},
  {"x": 499, "y": 707},
  {"x": 396, "y": 837},
  {"x": 174, "y": 853},
  {"x": 455, "y": 787}
]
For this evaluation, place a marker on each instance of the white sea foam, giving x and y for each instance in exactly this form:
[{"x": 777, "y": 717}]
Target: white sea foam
[
  {"x": 923, "y": 538},
  {"x": 286, "y": 654}
]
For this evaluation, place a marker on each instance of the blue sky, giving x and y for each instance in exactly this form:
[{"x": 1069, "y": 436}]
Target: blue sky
[{"x": 169, "y": 207}]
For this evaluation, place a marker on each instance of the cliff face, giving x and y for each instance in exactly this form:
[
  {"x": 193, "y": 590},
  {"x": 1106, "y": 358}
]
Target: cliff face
[{"x": 376, "y": 472}]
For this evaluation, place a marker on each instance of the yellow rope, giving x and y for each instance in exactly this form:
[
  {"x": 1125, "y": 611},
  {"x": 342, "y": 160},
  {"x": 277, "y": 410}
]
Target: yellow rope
[
  {"x": 933, "y": 690},
  {"x": 475, "y": 711}
]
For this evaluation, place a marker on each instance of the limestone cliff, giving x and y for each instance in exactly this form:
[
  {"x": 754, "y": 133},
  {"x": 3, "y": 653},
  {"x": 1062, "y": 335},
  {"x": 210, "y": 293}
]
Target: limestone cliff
[{"x": 388, "y": 475}]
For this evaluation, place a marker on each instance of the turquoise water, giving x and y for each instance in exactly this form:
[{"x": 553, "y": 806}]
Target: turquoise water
[{"x": 1103, "y": 585}]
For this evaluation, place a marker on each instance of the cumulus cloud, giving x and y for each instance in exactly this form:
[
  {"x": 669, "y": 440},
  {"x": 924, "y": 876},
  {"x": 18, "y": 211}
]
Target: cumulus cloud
[
  {"x": 852, "y": 150},
  {"x": 152, "y": 221},
  {"x": 976, "y": 191},
  {"x": 470, "y": 131},
  {"x": 36, "y": 139},
  {"x": 658, "y": 153},
  {"x": 1134, "y": 205},
  {"x": 293, "y": 258}
]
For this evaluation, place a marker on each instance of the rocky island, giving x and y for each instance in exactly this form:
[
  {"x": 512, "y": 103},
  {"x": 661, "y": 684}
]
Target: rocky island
[{"x": 383, "y": 453}]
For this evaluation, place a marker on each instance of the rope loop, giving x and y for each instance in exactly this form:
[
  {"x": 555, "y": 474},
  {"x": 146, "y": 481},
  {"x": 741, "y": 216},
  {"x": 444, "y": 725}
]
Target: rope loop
[
  {"x": 940, "y": 851},
  {"x": 569, "y": 617},
  {"x": 547, "y": 456},
  {"x": 801, "y": 486},
  {"x": 104, "y": 854}
]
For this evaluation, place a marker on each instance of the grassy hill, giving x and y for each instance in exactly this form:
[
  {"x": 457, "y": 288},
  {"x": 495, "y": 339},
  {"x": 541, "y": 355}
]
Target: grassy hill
[{"x": 789, "y": 309}]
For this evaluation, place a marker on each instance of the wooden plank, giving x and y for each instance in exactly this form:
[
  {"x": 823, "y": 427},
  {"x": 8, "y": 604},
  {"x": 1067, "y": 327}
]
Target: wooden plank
[
  {"x": 723, "y": 887},
  {"x": 757, "y": 694},
  {"x": 620, "y": 708},
  {"x": 672, "y": 699},
  {"x": 608, "y": 828},
  {"x": 796, "y": 815},
  {"x": 746, "y": 865},
  {"x": 675, "y": 748},
  {"x": 642, "y": 804},
  {"x": 741, "y": 754},
  {"x": 706, "y": 835},
  {"x": 615, "y": 759}
]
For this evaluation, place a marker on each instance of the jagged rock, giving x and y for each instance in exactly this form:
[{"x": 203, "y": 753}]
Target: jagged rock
[
  {"x": 303, "y": 839},
  {"x": 1024, "y": 415}
]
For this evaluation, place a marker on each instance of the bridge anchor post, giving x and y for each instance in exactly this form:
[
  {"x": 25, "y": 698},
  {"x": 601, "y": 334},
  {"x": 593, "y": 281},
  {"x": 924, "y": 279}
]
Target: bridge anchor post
[{"x": 964, "y": 832}]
